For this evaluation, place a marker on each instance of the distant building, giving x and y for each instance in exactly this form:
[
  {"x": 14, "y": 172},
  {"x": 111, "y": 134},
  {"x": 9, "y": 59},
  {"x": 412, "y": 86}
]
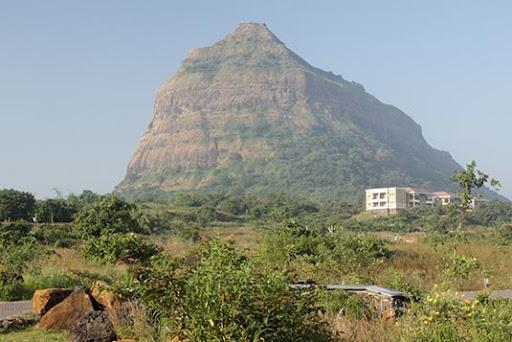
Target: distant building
[
  {"x": 392, "y": 200},
  {"x": 395, "y": 199},
  {"x": 445, "y": 198},
  {"x": 477, "y": 201}
]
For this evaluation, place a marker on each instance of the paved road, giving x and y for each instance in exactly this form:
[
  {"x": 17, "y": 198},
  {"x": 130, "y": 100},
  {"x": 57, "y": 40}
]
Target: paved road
[{"x": 8, "y": 309}]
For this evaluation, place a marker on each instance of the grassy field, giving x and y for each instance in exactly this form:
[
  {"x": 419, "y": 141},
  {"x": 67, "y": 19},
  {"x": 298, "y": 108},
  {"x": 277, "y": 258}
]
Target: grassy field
[
  {"x": 33, "y": 334},
  {"x": 419, "y": 262}
]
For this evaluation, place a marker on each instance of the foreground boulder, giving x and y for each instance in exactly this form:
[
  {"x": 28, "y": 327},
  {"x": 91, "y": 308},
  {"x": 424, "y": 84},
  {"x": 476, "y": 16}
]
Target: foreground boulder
[
  {"x": 44, "y": 300},
  {"x": 93, "y": 327},
  {"x": 103, "y": 295},
  {"x": 65, "y": 314}
]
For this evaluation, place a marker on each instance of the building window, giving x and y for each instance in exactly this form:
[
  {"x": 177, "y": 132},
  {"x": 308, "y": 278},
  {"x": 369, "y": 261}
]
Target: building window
[
  {"x": 375, "y": 196},
  {"x": 375, "y": 204},
  {"x": 382, "y": 195},
  {"x": 382, "y": 204}
]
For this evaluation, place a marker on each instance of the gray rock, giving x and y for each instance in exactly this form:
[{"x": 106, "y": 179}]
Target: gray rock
[{"x": 93, "y": 327}]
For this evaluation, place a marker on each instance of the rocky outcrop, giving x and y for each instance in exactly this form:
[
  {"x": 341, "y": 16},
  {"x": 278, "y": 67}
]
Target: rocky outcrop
[
  {"x": 45, "y": 299},
  {"x": 65, "y": 314},
  {"x": 94, "y": 326},
  {"x": 249, "y": 114}
]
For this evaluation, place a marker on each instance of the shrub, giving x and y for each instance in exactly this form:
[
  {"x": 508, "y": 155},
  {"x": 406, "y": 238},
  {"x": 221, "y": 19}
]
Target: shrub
[
  {"x": 354, "y": 251},
  {"x": 460, "y": 268},
  {"x": 444, "y": 316},
  {"x": 336, "y": 253},
  {"x": 504, "y": 235},
  {"x": 217, "y": 295},
  {"x": 60, "y": 236},
  {"x": 107, "y": 229},
  {"x": 397, "y": 281},
  {"x": 346, "y": 304},
  {"x": 110, "y": 214},
  {"x": 17, "y": 250},
  {"x": 118, "y": 246}
]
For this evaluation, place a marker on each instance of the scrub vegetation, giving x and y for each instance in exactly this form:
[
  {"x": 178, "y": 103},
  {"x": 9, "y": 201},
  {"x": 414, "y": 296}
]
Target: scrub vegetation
[{"x": 218, "y": 267}]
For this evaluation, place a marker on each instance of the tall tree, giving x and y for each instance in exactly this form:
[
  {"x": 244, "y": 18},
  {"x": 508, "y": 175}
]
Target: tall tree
[
  {"x": 55, "y": 210},
  {"x": 16, "y": 205},
  {"x": 469, "y": 180}
]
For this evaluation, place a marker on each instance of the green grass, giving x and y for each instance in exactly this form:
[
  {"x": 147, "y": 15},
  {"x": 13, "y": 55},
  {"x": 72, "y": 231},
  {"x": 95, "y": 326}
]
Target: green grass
[{"x": 33, "y": 334}]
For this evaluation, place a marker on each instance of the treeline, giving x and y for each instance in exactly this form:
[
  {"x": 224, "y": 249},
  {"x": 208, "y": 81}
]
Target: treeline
[
  {"x": 207, "y": 208},
  {"x": 20, "y": 205}
]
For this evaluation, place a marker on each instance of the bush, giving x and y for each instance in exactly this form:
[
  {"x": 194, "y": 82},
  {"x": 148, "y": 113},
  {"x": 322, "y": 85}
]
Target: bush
[
  {"x": 107, "y": 229},
  {"x": 218, "y": 295},
  {"x": 504, "y": 235},
  {"x": 118, "y": 246},
  {"x": 397, "y": 281},
  {"x": 346, "y": 304},
  {"x": 444, "y": 316},
  {"x": 110, "y": 214},
  {"x": 60, "y": 236},
  {"x": 17, "y": 250},
  {"x": 460, "y": 268}
]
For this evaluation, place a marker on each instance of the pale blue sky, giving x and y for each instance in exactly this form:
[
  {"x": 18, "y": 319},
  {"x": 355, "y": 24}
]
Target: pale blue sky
[{"x": 78, "y": 78}]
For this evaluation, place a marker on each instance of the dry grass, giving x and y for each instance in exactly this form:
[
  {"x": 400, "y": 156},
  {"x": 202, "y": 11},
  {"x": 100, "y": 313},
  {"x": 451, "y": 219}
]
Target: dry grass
[
  {"x": 245, "y": 238},
  {"x": 421, "y": 263},
  {"x": 65, "y": 260},
  {"x": 354, "y": 330}
]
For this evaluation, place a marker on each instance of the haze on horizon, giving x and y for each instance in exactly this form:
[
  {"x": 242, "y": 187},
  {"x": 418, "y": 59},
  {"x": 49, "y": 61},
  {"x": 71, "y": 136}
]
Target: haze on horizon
[{"x": 79, "y": 79}]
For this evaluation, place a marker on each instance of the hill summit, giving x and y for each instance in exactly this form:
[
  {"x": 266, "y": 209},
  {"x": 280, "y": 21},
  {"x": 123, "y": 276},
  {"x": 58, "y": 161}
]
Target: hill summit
[{"x": 249, "y": 115}]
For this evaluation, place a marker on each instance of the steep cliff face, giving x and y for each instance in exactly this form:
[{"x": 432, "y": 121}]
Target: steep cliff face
[{"x": 248, "y": 114}]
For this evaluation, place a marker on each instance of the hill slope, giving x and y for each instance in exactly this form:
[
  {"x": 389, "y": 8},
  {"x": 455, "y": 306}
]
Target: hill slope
[{"x": 248, "y": 114}]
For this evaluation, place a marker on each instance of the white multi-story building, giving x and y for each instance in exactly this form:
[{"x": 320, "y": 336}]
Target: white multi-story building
[{"x": 392, "y": 200}]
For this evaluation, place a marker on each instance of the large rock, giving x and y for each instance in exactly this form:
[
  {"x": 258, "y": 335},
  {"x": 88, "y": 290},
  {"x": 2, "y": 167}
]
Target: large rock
[
  {"x": 114, "y": 306},
  {"x": 65, "y": 314},
  {"x": 44, "y": 300},
  {"x": 103, "y": 295},
  {"x": 93, "y": 327}
]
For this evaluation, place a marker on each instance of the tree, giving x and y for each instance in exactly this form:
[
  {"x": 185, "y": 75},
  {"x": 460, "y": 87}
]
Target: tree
[
  {"x": 16, "y": 205},
  {"x": 17, "y": 249},
  {"x": 470, "y": 180},
  {"x": 107, "y": 230},
  {"x": 55, "y": 210},
  {"x": 85, "y": 200},
  {"x": 108, "y": 215}
]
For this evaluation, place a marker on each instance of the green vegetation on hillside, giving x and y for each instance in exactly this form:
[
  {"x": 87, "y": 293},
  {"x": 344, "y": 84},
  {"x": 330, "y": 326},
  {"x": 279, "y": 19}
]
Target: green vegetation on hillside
[{"x": 248, "y": 115}]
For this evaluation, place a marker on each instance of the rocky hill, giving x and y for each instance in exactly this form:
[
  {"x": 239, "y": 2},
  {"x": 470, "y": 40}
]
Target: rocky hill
[{"x": 248, "y": 114}]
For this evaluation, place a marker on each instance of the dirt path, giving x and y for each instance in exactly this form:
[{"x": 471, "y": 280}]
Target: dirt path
[{"x": 8, "y": 309}]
